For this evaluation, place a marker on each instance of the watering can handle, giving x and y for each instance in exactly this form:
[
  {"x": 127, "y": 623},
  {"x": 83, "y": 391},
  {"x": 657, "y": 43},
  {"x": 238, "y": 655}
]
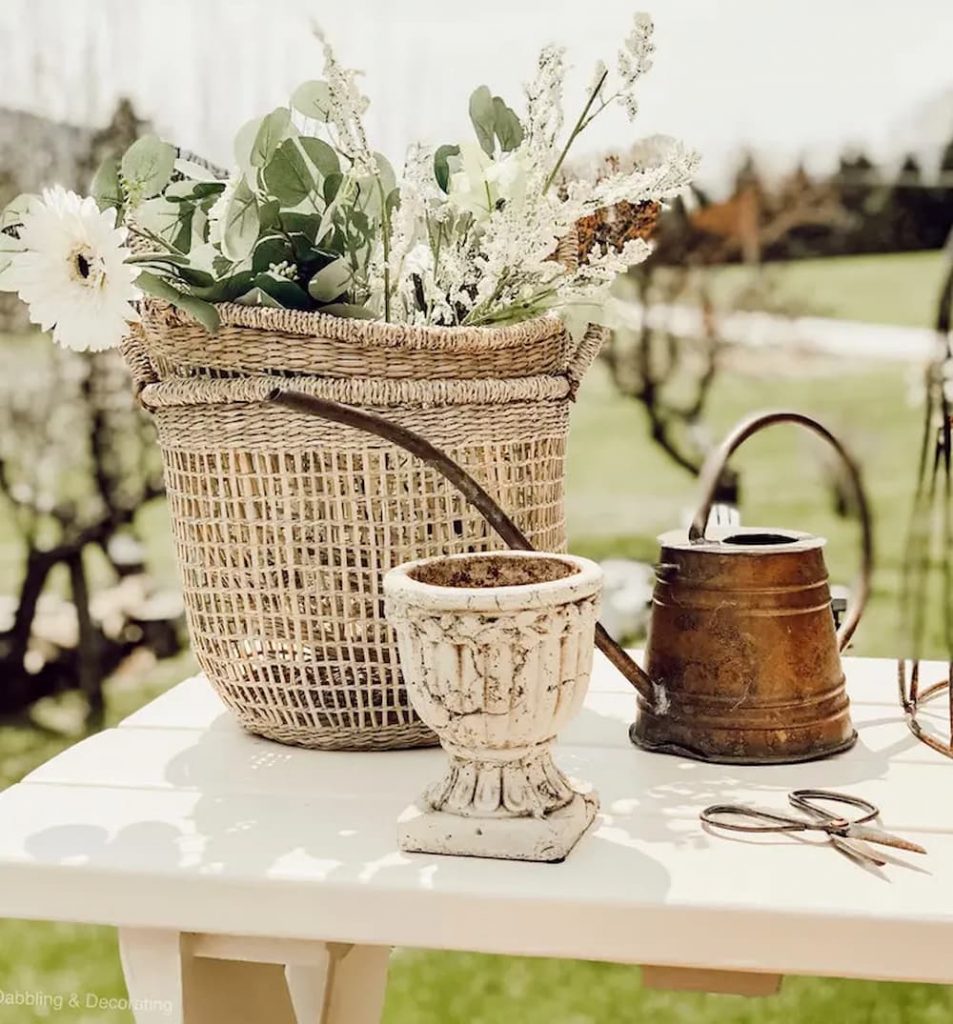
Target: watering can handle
[{"x": 715, "y": 464}]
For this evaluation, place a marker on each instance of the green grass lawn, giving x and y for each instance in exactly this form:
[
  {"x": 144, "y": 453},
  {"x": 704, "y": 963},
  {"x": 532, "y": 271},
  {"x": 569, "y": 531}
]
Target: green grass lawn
[
  {"x": 899, "y": 288},
  {"x": 622, "y": 492}
]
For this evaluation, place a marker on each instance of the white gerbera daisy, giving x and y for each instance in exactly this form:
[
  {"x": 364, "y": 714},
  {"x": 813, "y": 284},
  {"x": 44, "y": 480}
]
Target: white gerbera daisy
[{"x": 72, "y": 271}]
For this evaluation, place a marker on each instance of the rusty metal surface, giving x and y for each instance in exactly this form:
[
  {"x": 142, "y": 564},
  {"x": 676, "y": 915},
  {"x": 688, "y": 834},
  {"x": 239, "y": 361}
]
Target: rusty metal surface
[{"x": 742, "y": 640}]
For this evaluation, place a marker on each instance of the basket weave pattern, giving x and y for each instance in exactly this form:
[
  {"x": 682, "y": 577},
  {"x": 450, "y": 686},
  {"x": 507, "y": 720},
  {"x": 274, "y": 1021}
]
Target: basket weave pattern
[{"x": 284, "y": 524}]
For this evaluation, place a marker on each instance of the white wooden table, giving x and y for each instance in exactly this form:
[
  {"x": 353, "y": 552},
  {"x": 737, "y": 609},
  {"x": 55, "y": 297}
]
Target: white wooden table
[{"x": 230, "y": 864}]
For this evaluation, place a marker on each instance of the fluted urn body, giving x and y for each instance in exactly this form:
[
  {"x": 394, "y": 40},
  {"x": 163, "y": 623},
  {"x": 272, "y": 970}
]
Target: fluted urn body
[{"x": 496, "y": 652}]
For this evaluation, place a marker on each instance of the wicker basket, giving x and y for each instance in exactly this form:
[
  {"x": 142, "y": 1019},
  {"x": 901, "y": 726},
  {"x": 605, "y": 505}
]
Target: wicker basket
[{"x": 284, "y": 523}]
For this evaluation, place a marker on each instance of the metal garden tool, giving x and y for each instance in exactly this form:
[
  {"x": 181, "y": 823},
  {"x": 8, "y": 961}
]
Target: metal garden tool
[
  {"x": 850, "y": 835},
  {"x": 742, "y": 654}
]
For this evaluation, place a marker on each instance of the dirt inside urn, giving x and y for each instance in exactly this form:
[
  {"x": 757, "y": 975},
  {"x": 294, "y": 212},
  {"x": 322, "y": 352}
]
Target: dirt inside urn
[{"x": 495, "y": 571}]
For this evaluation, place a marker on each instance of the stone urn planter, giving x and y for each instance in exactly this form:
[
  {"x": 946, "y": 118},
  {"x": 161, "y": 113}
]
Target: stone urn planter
[{"x": 496, "y": 651}]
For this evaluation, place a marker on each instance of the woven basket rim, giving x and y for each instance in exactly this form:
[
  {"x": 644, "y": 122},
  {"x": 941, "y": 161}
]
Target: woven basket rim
[{"x": 367, "y": 333}]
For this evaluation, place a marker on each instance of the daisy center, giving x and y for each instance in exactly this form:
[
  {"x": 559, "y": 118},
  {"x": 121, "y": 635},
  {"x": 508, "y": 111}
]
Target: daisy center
[{"x": 86, "y": 268}]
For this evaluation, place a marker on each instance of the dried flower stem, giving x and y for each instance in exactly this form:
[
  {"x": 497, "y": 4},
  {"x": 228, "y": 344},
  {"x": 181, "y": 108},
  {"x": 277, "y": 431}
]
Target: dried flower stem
[{"x": 580, "y": 125}]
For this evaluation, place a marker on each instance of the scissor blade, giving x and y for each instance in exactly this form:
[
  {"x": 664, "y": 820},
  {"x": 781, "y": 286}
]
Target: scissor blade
[
  {"x": 857, "y": 850},
  {"x": 875, "y": 835}
]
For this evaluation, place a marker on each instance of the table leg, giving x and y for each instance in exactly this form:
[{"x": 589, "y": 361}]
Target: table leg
[
  {"x": 175, "y": 978},
  {"x": 152, "y": 965},
  {"x": 348, "y": 988}
]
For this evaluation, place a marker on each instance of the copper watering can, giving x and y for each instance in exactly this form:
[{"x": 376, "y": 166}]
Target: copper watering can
[
  {"x": 742, "y": 657},
  {"x": 743, "y": 660}
]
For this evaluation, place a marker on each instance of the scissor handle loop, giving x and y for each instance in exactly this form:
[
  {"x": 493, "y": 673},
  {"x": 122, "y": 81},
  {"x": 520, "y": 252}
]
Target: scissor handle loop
[
  {"x": 716, "y": 814},
  {"x": 807, "y": 800}
]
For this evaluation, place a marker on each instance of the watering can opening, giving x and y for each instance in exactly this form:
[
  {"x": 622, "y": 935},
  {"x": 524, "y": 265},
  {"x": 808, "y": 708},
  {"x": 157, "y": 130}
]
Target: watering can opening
[{"x": 760, "y": 538}]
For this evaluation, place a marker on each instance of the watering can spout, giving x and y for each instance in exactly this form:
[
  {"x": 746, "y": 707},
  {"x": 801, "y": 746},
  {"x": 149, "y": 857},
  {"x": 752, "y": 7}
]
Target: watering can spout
[{"x": 652, "y": 693}]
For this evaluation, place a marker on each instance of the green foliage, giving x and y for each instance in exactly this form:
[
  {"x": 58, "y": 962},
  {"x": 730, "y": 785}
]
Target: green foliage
[
  {"x": 12, "y": 214},
  {"x": 271, "y": 131},
  {"x": 313, "y": 99},
  {"x": 105, "y": 187},
  {"x": 331, "y": 281},
  {"x": 296, "y": 226},
  {"x": 441, "y": 165},
  {"x": 146, "y": 168},
  {"x": 288, "y": 176},
  {"x": 494, "y": 122},
  {"x": 242, "y": 223},
  {"x": 202, "y": 311}
]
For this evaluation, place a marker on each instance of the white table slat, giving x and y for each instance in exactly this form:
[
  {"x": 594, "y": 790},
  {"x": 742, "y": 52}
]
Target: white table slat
[{"x": 179, "y": 820}]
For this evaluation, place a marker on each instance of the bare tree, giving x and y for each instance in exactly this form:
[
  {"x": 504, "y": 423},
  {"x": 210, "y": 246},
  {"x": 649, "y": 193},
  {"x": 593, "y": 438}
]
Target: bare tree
[
  {"x": 77, "y": 461},
  {"x": 668, "y": 372}
]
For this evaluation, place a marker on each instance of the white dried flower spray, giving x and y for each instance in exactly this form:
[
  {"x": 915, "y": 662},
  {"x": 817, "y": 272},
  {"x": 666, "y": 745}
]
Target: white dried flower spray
[
  {"x": 347, "y": 106},
  {"x": 493, "y": 252}
]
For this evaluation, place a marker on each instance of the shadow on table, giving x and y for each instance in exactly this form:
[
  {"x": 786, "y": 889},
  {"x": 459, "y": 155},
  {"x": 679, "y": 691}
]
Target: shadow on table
[{"x": 278, "y": 826}]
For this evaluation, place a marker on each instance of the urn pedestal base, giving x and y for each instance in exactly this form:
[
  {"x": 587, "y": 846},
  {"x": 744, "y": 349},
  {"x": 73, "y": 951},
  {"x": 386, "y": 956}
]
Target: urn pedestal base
[{"x": 549, "y": 838}]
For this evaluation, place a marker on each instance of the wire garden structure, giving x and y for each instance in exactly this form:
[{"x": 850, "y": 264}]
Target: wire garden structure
[{"x": 929, "y": 554}]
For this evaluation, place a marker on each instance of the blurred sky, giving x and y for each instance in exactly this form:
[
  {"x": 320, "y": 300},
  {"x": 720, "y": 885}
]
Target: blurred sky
[{"x": 794, "y": 78}]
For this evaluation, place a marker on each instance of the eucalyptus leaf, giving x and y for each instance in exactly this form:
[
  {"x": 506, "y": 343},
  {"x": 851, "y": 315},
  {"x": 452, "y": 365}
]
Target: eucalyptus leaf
[
  {"x": 222, "y": 266},
  {"x": 272, "y": 131},
  {"x": 331, "y": 187},
  {"x": 483, "y": 117},
  {"x": 205, "y": 313},
  {"x": 269, "y": 214},
  {"x": 385, "y": 173},
  {"x": 242, "y": 223},
  {"x": 330, "y": 282},
  {"x": 105, "y": 187},
  {"x": 296, "y": 223},
  {"x": 8, "y": 246},
  {"x": 321, "y": 155},
  {"x": 257, "y": 297},
  {"x": 348, "y": 309},
  {"x": 244, "y": 142},
  {"x": 147, "y": 166},
  {"x": 441, "y": 165},
  {"x": 194, "y": 171},
  {"x": 195, "y": 278},
  {"x": 313, "y": 99},
  {"x": 226, "y": 290},
  {"x": 193, "y": 191},
  {"x": 173, "y": 259},
  {"x": 172, "y": 222},
  {"x": 288, "y": 177},
  {"x": 269, "y": 251},
  {"x": 13, "y": 213},
  {"x": 287, "y": 293},
  {"x": 506, "y": 126}
]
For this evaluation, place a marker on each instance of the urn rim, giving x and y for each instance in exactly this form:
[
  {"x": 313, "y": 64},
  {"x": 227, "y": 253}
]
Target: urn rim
[{"x": 583, "y": 581}]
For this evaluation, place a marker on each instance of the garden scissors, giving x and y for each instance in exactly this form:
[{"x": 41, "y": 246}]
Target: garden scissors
[{"x": 850, "y": 835}]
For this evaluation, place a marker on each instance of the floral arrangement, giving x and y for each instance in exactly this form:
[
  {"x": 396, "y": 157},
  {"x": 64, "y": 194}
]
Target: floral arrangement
[{"x": 311, "y": 218}]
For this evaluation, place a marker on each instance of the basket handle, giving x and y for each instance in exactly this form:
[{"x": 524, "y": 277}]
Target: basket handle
[
  {"x": 715, "y": 464},
  {"x": 586, "y": 351},
  {"x": 473, "y": 493},
  {"x": 136, "y": 356}
]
